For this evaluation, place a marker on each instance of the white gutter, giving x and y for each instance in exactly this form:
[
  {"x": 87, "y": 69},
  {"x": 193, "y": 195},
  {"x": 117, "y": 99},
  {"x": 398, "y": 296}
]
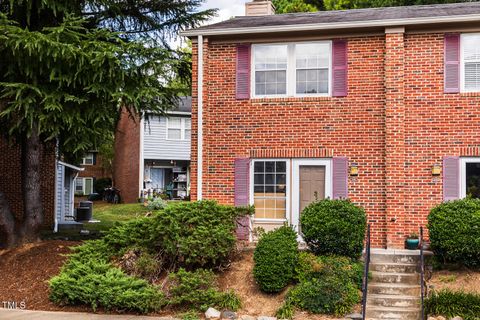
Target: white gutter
[
  {"x": 330, "y": 26},
  {"x": 141, "y": 174},
  {"x": 200, "y": 117}
]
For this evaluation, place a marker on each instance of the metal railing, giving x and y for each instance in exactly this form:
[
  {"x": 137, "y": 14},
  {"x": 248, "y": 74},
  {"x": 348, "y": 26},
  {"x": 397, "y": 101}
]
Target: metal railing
[
  {"x": 422, "y": 273},
  {"x": 365, "y": 274}
]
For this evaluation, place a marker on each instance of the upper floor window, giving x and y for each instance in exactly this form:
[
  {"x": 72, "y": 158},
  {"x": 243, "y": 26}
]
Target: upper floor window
[
  {"x": 295, "y": 69},
  {"x": 470, "y": 62},
  {"x": 179, "y": 128},
  {"x": 88, "y": 159}
]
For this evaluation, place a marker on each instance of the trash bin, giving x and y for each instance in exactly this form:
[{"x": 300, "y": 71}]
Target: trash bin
[{"x": 85, "y": 211}]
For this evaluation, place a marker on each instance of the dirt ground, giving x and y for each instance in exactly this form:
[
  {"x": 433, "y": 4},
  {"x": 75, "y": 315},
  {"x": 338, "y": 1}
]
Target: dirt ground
[
  {"x": 239, "y": 277},
  {"x": 24, "y": 273},
  {"x": 465, "y": 280}
]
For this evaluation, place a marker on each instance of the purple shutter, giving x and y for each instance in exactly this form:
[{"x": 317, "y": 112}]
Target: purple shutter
[
  {"x": 340, "y": 178},
  {"x": 241, "y": 184},
  {"x": 340, "y": 66},
  {"x": 452, "y": 63},
  {"x": 243, "y": 72},
  {"x": 451, "y": 178}
]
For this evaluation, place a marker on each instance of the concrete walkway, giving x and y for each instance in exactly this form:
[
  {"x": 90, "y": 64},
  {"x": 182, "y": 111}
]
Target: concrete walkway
[{"x": 53, "y": 315}]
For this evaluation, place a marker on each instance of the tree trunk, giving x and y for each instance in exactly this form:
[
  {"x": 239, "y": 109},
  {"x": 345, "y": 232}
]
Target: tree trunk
[
  {"x": 32, "y": 199},
  {"x": 7, "y": 224}
]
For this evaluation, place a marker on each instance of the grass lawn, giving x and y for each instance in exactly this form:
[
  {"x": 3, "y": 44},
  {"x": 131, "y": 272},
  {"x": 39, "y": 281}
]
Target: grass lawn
[{"x": 109, "y": 213}]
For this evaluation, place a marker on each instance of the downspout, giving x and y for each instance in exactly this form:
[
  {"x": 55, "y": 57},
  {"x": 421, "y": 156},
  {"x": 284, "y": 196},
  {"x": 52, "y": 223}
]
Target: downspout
[
  {"x": 141, "y": 168},
  {"x": 200, "y": 117}
]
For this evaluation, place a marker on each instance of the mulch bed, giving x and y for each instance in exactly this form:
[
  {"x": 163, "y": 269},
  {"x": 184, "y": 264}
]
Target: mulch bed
[{"x": 24, "y": 273}]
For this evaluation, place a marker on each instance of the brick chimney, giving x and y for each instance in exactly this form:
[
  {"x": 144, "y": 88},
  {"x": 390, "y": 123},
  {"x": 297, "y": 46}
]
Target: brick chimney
[{"x": 259, "y": 8}]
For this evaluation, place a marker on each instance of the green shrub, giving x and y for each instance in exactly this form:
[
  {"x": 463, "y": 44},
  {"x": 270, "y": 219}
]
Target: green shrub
[
  {"x": 326, "y": 294},
  {"x": 310, "y": 266},
  {"x": 334, "y": 227},
  {"x": 286, "y": 311},
  {"x": 454, "y": 230},
  {"x": 198, "y": 289},
  {"x": 196, "y": 234},
  {"x": 156, "y": 204},
  {"x": 98, "y": 284},
  {"x": 275, "y": 259},
  {"x": 451, "y": 304},
  {"x": 133, "y": 233}
]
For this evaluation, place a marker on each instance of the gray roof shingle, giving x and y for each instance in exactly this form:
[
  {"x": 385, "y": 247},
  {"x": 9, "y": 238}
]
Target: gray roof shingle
[{"x": 345, "y": 16}]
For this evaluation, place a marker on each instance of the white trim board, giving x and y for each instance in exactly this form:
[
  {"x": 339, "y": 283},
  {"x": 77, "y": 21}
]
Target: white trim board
[{"x": 463, "y": 173}]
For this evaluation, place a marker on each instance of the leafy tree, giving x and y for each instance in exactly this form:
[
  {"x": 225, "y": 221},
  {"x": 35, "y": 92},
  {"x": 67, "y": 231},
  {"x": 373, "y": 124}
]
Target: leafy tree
[
  {"x": 69, "y": 67},
  {"x": 290, "y": 6},
  {"x": 356, "y": 4}
]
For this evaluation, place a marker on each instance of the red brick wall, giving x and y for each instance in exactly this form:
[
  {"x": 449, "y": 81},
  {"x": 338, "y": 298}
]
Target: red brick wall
[
  {"x": 396, "y": 123},
  {"x": 95, "y": 171},
  {"x": 11, "y": 179},
  {"x": 352, "y": 126},
  {"x": 127, "y": 158}
]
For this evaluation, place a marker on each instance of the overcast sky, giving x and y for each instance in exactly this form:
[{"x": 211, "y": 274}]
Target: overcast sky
[{"x": 226, "y": 8}]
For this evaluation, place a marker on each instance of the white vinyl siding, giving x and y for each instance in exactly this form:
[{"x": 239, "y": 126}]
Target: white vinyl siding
[
  {"x": 470, "y": 62},
  {"x": 157, "y": 146},
  {"x": 291, "y": 69}
]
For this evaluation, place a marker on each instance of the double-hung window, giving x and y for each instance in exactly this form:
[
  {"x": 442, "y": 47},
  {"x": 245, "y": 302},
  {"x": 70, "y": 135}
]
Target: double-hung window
[
  {"x": 470, "y": 63},
  {"x": 179, "y": 128},
  {"x": 293, "y": 69},
  {"x": 88, "y": 159}
]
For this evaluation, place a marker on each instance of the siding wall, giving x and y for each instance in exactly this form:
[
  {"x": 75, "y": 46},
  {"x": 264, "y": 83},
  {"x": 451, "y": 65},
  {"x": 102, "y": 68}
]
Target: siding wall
[
  {"x": 60, "y": 191},
  {"x": 157, "y": 147}
]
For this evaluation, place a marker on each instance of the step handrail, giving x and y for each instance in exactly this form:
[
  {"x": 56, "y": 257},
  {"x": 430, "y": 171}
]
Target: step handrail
[
  {"x": 365, "y": 274},
  {"x": 422, "y": 273}
]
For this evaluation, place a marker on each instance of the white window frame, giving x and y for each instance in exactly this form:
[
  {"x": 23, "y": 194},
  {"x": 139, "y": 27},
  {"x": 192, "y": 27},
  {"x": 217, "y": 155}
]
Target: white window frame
[
  {"x": 296, "y": 164},
  {"x": 287, "y": 190},
  {"x": 183, "y": 128},
  {"x": 88, "y": 156},
  {"x": 463, "y": 173},
  {"x": 84, "y": 184},
  {"x": 291, "y": 71},
  {"x": 462, "y": 61}
]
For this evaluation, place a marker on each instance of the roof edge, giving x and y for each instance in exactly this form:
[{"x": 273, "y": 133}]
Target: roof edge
[{"x": 331, "y": 26}]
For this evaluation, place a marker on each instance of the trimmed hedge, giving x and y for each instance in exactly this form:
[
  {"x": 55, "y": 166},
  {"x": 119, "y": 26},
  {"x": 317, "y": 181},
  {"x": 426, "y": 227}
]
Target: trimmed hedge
[
  {"x": 334, "y": 227},
  {"x": 451, "y": 304},
  {"x": 275, "y": 259},
  {"x": 454, "y": 230}
]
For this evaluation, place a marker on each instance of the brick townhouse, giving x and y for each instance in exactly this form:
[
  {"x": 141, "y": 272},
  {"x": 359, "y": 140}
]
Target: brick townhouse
[{"x": 380, "y": 106}]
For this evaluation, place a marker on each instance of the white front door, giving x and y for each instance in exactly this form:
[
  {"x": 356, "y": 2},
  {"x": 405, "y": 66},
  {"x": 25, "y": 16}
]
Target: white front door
[{"x": 312, "y": 180}]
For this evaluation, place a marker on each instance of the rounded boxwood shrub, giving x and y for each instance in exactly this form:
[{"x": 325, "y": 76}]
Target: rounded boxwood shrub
[
  {"x": 454, "y": 229},
  {"x": 334, "y": 227},
  {"x": 275, "y": 259}
]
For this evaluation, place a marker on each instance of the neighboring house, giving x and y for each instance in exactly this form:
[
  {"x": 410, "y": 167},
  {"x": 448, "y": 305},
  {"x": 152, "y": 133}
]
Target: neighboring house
[
  {"x": 65, "y": 191},
  {"x": 381, "y": 106},
  {"x": 94, "y": 170},
  {"x": 152, "y": 155}
]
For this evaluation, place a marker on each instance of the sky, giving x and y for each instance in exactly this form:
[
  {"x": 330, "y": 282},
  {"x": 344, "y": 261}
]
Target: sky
[{"x": 226, "y": 8}]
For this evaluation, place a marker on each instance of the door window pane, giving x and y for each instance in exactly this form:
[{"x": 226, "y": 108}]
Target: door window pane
[
  {"x": 269, "y": 190},
  {"x": 472, "y": 180}
]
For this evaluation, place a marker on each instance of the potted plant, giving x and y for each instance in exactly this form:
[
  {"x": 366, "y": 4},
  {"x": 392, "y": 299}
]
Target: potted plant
[{"x": 412, "y": 241}]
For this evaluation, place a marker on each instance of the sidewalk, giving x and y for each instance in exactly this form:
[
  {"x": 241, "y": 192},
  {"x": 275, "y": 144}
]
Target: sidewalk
[{"x": 12, "y": 314}]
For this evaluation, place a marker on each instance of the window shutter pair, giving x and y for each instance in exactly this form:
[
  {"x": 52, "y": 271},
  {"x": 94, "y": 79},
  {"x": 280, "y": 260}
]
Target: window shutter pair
[
  {"x": 452, "y": 63},
  {"x": 451, "y": 178},
  {"x": 339, "y": 70},
  {"x": 241, "y": 185}
]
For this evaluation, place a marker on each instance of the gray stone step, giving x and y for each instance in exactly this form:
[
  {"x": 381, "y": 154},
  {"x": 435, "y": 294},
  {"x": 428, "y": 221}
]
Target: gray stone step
[
  {"x": 387, "y": 300},
  {"x": 394, "y": 267},
  {"x": 384, "y": 257},
  {"x": 394, "y": 289},
  {"x": 390, "y": 277},
  {"x": 399, "y": 313}
]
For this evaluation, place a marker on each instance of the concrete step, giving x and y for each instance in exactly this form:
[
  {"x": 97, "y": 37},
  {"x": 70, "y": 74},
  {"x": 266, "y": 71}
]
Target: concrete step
[
  {"x": 386, "y": 257},
  {"x": 398, "y": 313},
  {"x": 394, "y": 289},
  {"x": 394, "y": 267},
  {"x": 390, "y": 277},
  {"x": 388, "y": 300}
]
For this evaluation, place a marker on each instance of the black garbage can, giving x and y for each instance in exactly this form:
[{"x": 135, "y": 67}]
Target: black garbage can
[{"x": 85, "y": 211}]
